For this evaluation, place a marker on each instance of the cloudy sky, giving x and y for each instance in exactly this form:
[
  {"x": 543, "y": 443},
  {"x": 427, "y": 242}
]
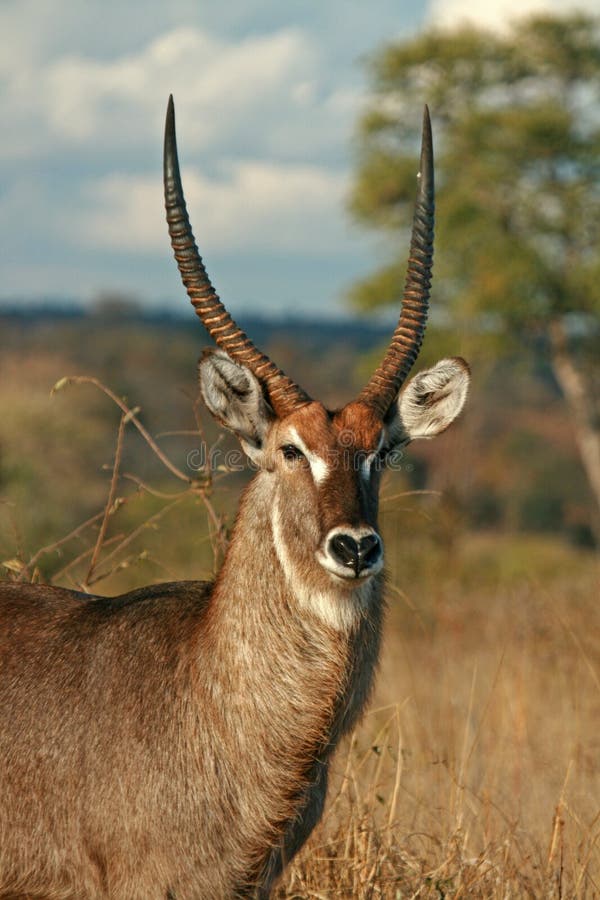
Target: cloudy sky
[{"x": 267, "y": 94}]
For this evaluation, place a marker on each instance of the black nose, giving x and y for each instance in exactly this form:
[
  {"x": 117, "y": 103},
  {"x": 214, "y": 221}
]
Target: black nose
[{"x": 355, "y": 554}]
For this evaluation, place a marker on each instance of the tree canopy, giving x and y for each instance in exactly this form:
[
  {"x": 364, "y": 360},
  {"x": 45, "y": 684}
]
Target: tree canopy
[{"x": 517, "y": 133}]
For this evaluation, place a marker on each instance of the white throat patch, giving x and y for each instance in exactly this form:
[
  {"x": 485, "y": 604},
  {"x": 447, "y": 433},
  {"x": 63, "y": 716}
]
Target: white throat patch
[{"x": 336, "y": 608}]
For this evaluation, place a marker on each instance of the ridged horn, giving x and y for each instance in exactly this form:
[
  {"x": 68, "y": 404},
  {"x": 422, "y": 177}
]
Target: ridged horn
[
  {"x": 406, "y": 341},
  {"x": 284, "y": 394}
]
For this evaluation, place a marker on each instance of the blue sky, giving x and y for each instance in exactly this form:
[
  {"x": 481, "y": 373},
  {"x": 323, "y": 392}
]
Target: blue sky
[{"x": 267, "y": 95}]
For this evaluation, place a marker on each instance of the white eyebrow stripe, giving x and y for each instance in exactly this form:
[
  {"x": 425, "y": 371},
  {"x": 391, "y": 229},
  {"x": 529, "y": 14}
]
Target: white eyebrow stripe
[
  {"x": 319, "y": 467},
  {"x": 365, "y": 466}
]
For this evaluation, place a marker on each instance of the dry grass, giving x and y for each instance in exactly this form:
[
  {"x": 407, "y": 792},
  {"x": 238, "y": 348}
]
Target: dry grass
[{"x": 484, "y": 779}]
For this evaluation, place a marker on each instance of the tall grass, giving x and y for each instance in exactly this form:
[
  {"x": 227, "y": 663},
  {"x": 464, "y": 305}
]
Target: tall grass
[{"x": 477, "y": 772}]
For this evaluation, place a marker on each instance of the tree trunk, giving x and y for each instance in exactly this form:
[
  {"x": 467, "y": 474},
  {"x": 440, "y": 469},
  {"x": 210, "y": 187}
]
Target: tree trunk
[{"x": 585, "y": 417}]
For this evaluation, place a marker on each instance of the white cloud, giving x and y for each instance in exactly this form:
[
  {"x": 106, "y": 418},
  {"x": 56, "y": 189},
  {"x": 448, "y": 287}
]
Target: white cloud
[
  {"x": 80, "y": 101},
  {"x": 498, "y": 14},
  {"x": 267, "y": 95},
  {"x": 252, "y": 206}
]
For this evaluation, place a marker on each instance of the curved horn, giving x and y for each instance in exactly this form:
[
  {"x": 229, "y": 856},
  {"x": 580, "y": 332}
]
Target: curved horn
[
  {"x": 284, "y": 394},
  {"x": 406, "y": 341}
]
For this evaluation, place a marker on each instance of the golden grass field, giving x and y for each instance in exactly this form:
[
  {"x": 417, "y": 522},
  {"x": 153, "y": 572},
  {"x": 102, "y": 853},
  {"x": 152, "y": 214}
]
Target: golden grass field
[{"x": 477, "y": 771}]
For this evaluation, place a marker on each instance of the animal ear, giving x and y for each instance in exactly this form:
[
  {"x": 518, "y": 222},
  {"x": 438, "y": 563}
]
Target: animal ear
[
  {"x": 430, "y": 402},
  {"x": 235, "y": 398}
]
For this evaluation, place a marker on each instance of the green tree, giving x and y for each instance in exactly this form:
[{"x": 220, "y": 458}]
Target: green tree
[{"x": 517, "y": 131}]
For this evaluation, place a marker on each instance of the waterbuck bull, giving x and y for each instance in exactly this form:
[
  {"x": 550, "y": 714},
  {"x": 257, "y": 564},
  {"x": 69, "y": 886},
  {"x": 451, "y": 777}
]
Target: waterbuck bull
[{"x": 174, "y": 742}]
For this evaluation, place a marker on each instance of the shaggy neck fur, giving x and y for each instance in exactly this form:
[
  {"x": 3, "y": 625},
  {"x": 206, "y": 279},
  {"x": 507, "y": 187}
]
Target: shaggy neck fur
[{"x": 300, "y": 664}]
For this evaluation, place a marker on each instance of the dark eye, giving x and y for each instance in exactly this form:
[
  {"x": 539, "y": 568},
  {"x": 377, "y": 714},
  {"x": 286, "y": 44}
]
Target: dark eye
[{"x": 291, "y": 453}]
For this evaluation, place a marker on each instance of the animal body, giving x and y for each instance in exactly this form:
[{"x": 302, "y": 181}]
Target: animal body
[{"x": 173, "y": 743}]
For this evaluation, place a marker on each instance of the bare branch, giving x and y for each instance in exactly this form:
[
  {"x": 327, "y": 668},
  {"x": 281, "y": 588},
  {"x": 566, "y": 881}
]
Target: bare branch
[
  {"x": 110, "y": 500},
  {"x": 131, "y": 416},
  {"x": 79, "y": 559},
  {"x": 56, "y": 545},
  {"x": 132, "y": 535}
]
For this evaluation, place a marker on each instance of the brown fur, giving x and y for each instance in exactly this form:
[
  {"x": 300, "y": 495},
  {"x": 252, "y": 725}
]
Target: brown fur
[{"x": 175, "y": 741}]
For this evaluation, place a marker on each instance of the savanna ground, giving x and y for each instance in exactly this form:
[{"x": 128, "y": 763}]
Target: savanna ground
[{"x": 476, "y": 772}]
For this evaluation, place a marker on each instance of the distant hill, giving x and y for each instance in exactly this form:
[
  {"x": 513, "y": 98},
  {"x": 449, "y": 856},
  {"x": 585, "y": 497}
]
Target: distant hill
[{"x": 313, "y": 332}]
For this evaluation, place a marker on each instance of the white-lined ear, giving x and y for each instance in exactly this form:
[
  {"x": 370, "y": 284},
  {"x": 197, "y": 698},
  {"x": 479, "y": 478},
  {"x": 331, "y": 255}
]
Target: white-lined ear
[
  {"x": 235, "y": 398},
  {"x": 430, "y": 402}
]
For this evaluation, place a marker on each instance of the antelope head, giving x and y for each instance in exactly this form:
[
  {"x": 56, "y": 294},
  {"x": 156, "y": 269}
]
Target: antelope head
[{"x": 324, "y": 466}]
